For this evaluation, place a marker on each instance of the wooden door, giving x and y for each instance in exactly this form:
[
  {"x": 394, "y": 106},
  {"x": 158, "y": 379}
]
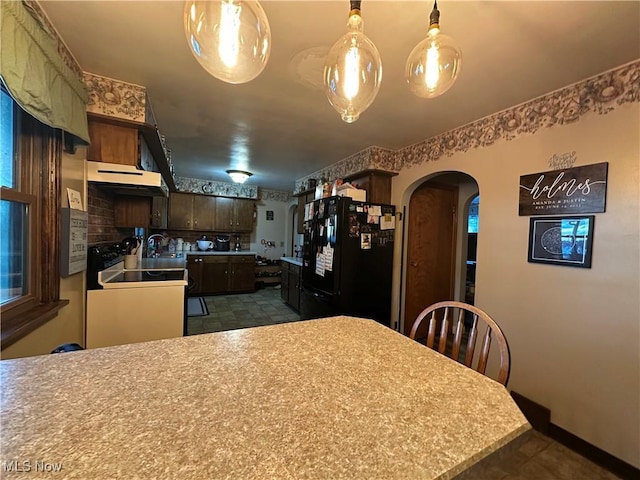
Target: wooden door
[
  {"x": 180, "y": 211},
  {"x": 430, "y": 248},
  {"x": 204, "y": 212},
  {"x": 243, "y": 215},
  {"x": 224, "y": 214}
]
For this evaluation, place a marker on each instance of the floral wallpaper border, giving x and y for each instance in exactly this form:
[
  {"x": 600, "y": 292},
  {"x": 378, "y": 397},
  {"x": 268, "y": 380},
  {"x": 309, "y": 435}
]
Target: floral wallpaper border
[
  {"x": 221, "y": 189},
  {"x": 274, "y": 195},
  {"x": 116, "y": 98},
  {"x": 600, "y": 94}
]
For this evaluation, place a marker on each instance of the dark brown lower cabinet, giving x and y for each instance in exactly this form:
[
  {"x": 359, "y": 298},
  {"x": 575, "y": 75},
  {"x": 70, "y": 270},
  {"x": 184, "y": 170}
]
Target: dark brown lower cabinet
[
  {"x": 291, "y": 284},
  {"x": 242, "y": 273},
  {"x": 284, "y": 282},
  {"x": 216, "y": 274}
]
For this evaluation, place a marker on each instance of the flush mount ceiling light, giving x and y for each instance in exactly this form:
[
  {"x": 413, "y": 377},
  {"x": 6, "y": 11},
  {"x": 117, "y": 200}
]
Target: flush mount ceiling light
[
  {"x": 353, "y": 69},
  {"x": 231, "y": 39},
  {"x": 434, "y": 64},
  {"x": 239, "y": 176}
]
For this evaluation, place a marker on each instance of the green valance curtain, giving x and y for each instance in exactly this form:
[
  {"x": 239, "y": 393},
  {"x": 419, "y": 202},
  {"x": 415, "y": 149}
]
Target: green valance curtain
[{"x": 36, "y": 75}]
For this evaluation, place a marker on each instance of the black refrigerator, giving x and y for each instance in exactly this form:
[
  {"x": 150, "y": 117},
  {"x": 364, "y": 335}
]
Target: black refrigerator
[{"x": 347, "y": 259}]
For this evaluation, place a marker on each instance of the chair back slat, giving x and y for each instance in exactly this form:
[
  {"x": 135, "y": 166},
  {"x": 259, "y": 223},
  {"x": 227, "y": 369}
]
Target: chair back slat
[
  {"x": 431, "y": 334},
  {"x": 444, "y": 332},
  {"x": 444, "y": 312},
  {"x": 471, "y": 342},
  {"x": 484, "y": 353},
  {"x": 457, "y": 339}
]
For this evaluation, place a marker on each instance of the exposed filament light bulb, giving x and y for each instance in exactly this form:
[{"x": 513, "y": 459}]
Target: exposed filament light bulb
[
  {"x": 230, "y": 39},
  {"x": 353, "y": 70},
  {"x": 434, "y": 64},
  {"x": 352, "y": 60},
  {"x": 228, "y": 47}
]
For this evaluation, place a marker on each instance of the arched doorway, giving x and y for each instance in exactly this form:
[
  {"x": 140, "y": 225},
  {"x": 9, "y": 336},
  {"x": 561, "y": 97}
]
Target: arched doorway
[{"x": 436, "y": 246}]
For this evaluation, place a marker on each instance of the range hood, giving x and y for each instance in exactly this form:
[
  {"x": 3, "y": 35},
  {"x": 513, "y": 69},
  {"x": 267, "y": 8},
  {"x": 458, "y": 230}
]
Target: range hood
[{"x": 126, "y": 179}]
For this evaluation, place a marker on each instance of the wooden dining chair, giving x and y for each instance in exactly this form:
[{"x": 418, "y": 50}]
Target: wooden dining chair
[{"x": 458, "y": 338}]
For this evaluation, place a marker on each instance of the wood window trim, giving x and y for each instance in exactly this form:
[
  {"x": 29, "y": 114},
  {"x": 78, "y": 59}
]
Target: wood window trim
[{"x": 40, "y": 150}]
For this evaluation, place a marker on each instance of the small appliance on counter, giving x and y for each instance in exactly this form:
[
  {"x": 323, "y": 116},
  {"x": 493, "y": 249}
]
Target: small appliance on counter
[{"x": 222, "y": 243}]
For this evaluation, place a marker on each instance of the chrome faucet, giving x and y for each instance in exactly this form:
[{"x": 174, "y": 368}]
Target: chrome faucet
[{"x": 154, "y": 245}]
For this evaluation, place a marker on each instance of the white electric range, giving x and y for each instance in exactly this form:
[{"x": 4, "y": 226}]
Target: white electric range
[{"x": 137, "y": 305}]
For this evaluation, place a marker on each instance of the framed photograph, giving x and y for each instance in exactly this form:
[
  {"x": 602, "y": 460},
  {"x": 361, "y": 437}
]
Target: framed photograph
[{"x": 561, "y": 240}]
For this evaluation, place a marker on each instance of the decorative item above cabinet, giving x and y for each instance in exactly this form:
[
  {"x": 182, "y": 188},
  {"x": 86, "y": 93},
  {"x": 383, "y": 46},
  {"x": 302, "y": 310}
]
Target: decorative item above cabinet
[{"x": 123, "y": 127}]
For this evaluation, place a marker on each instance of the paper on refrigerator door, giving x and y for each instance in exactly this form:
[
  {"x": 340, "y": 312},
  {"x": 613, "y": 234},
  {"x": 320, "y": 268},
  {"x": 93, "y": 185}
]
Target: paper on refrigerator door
[
  {"x": 375, "y": 210},
  {"x": 320, "y": 264},
  {"x": 387, "y": 222},
  {"x": 328, "y": 258}
]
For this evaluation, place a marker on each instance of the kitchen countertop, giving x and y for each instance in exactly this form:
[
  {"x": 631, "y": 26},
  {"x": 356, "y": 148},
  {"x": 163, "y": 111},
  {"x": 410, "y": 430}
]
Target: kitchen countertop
[
  {"x": 339, "y": 397},
  {"x": 293, "y": 260},
  {"x": 163, "y": 263},
  {"x": 213, "y": 252}
]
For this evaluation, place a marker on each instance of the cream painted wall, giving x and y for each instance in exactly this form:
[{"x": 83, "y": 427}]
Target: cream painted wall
[
  {"x": 68, "y": 325},
  {"x": 574, "y": 333},
  {"x": 276, "y": 230}
]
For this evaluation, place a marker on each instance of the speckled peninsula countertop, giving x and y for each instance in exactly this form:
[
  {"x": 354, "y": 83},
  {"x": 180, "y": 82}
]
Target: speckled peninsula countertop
[
  {"x": 331, "y": 398},
  {"x": 213, "y": 252},
  {"x": 292, "y": 260}
]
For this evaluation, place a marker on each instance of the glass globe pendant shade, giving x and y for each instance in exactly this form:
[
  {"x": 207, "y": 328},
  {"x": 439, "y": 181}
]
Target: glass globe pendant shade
[
  {"x": 352, "y": 71},
  {"x": 433, "y": 65},
  {"x": 231, "y": 39}
]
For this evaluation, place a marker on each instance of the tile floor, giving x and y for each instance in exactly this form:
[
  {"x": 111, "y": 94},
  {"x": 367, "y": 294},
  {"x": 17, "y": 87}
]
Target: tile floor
[
  {"x": 538, "y": 458},
  {"x": 230, "y": 312}
]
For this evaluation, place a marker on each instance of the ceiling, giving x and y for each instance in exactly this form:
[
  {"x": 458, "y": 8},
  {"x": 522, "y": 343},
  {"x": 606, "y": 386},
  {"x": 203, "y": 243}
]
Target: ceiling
[{"x": 281, "y": 127}]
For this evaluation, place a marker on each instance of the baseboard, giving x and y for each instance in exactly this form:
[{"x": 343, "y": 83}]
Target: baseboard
[
  {"x": 540, "y": 419},
  {"x": 538, "y": 415},
  {"x": 596, "y": 455}
]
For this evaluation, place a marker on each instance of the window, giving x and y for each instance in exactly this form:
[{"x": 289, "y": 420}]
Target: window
[
  {"x": 472, "y": 221},
  {"x": 30, "y": 155},
  {"x": 15, "y": 209}
]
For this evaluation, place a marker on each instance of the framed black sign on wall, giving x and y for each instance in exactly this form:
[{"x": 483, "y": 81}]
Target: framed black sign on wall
[
  {"x": 561, "y": 240},
  {"x": 569, "y": 191}
]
